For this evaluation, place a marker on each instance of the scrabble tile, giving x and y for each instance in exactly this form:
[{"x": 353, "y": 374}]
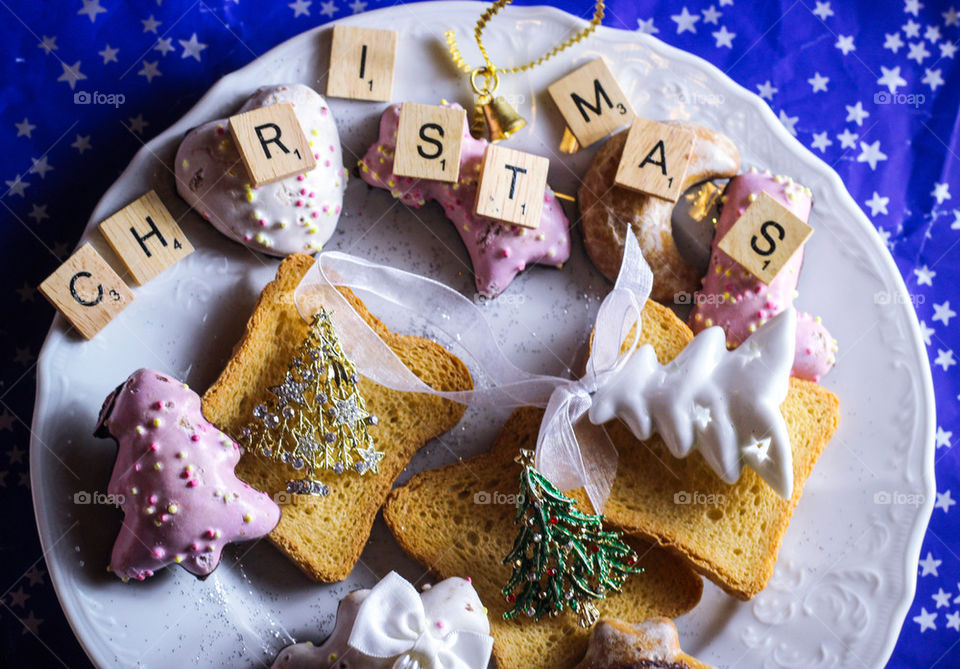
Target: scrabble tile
[
  {"x": 361, "y": 63},
  {"x": 765, "y": 237},
  {"x": 272, "y": 144},
  {"x": 512, "y": 186},
  {"x": 146, "y": 238},
  {"x": 591, "y": 102},
  {"x": 655, "y": 159},
  {"x": 87, "y": 291},
  {"x": 429, "y": 139}
]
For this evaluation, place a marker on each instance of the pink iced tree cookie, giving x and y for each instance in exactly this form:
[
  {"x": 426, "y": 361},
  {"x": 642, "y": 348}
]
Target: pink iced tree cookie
[
  {"x": 498, "y": 251},
  {"x": 181, "y": 501},
  {"x": 738, "y": 302}
]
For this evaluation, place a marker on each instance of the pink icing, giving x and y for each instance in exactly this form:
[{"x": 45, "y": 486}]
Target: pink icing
[
  {"x": 184, "y": 504},
  {"x": 737, "y": 301},
  {"x": 498, "y": 251}
]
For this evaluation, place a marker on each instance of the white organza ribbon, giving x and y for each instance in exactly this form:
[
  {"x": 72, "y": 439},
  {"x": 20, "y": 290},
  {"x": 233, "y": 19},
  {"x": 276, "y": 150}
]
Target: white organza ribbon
[
  {"x": 391, "y": 624},
  {"x": 571, "y": 452}
]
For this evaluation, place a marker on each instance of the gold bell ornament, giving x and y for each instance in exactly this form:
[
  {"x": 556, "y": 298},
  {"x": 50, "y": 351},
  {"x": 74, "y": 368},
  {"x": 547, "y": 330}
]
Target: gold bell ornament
[{"x": 493, "y": 117}]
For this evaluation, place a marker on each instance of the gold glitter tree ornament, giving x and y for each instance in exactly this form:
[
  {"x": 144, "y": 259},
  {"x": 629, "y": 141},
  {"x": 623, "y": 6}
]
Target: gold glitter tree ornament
[{"x": 316, "y": 419}]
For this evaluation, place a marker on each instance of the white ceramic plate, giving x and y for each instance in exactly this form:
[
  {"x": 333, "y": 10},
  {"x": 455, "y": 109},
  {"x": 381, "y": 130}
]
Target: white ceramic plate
[{"x": 846, "y": 572}]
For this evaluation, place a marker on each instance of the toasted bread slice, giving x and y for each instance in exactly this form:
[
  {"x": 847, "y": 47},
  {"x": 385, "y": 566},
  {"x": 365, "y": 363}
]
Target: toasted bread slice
[
  {"x": 325, "y": 535},
  {"x": 729, "y": 533},
  {"x": 459, "y": 520}
]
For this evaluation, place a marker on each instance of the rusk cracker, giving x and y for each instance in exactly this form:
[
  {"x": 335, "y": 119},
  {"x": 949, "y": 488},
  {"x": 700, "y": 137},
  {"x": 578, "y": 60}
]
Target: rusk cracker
[{"x": 324, "y": 536}]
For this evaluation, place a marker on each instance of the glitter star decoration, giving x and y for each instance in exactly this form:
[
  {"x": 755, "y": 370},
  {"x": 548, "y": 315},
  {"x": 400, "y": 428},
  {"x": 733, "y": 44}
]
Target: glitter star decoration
[{"x": 316, "y": 419}]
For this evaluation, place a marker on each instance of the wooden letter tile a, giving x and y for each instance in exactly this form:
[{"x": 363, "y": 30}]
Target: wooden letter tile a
[
  {"x": 512, "y": 186},
  {"x": 765, "y": 237},
  {"x": 429, "y": 140},
  {"x": 655, "y": 159},
  {"x": 87, "y": 291},
  {"x": 272, "y": 144},
  {"x": 146, "y": 237},
  {"x": 361, "y": 63},
  {"x": 591, "y": 102}
]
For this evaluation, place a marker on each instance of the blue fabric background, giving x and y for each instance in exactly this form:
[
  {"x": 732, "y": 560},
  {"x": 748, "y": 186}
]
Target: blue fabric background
[{"x": 873, "y": 86}]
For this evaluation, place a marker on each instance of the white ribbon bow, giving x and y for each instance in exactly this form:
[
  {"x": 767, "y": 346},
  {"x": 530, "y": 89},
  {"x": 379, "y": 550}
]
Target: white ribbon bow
[
  {"x": 392, "y": 624},
  {"x": 571, "y": 452}
]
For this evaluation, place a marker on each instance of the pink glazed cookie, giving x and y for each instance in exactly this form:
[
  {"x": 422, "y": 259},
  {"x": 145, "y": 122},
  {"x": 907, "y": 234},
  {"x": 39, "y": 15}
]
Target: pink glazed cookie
[
  {"x": 737, "y": 301},
  {"x": 498, "y": 251},
  {"x": 294, "y": 215},
  {"x": 181, "y": 501}
]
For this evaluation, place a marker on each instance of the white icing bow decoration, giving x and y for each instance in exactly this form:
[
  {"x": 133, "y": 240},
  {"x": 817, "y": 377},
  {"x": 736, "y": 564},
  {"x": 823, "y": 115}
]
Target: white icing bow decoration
[
  {"x": 392, "y": 625},
  {"x": 731, "y": 399}
]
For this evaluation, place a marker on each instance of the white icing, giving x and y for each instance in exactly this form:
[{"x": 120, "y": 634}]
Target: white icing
[
  {"x": 296, "y": 214},
  {"x": 445, "y": 627},
  {"x": 725, "y": 404}
]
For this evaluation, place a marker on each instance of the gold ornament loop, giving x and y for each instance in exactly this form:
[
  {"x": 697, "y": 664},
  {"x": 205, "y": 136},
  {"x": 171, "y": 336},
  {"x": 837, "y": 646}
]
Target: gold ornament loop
[{"x": 489, "y": 75}]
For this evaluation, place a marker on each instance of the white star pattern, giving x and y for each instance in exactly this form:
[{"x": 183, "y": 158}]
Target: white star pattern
[
  {"x": 164, "y": 45},
  {"x": 956, "y": 220},
  {"x": 926, "y": 332},
  {"x": 893, "y": 41},
  {"x": 91, "y": 8},
  {"x": 932, "y": 33},
  {"x": 39, "y": 213},
  {"x": 943, "y": 438},
  {"x": 724, "y": 38},
  {"x": 911, "y": 28},
  {"x": 109, "y": 55},
  {"x": 192, "y": 48},
  {"x": 820, "y": 141},
  {"x": 24, "y": 128},
  {"x": 944, "y": 501},
  {"x": 924, "y": 276},
  {"x": 953, "y": 620},
  {"x": 149, "y": 70},
  {"x": 300, "y": 8},
  {"x": 944, "y": 358},
  {"x": 71, "y": 74},
  {"x": 871, "y": 154},
  {"x": 823, "y": 10},
  {"x": 82, "y": 143},
  {"x": 40, "y": 166},
  {"x": 943, "y": 313},
  {"x": 925, "y": 620},
  {"x": 845, "y": 44},
  {"x": 17, "y": 186},
  {"x": 818, "y": 82},
  {"x": 358, "y": 6},
  {"x": 848, "y": 140},
  {"x": 789, "y": 122},
  {"x": 933, "y": 79},
  {"x": 856, "y": 113},
  {"x": 941, "y": 598},
  {"x": 929, "y": 565},
  {"x": 766, "y": 90},
  {"x": 912, "y": 7},
  {"x": 951, "y": 17},
  {"x": 878, "y": 204},
  {"x": 330, "y": 8},
  {"x": 150, "y": 25},
  {"x": 711, "y": 15},
  {"x": 137, "y": 124},
  {"x": 891, "y": 79},
  {"x": 948, "y": 50},
  {"x": 685, "y": 21},
  {"x": 48, "y": 44},
  {"x": 918, "y": 52},
  {"x": 941, "y": 192}
]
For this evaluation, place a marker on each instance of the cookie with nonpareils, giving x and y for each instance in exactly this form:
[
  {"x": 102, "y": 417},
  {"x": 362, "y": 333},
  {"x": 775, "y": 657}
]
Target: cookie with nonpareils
[
  {"x": 294, "y": 215},
  {"x": 181, "y": 501},
  {"x": 499, "y": 251},
  {"x": 737, "y": 301}
]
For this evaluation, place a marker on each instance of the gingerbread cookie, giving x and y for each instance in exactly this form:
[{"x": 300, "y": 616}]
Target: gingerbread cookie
[
  {"x": 652, "y": 644},
  {"x": 296, "y": 214},
  {"x": 607, "y": 209},
  {"x": 182, "y": 502},
  {"x": 498, "y": 251}
]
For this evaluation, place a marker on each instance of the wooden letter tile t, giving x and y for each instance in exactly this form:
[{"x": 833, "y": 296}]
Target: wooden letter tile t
[{"x": 512, "y": 186}]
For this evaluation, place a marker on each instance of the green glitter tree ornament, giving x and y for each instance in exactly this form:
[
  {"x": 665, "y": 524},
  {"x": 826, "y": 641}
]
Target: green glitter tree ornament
[
  {"x": 316, "y": 419},
  {"x": 562, "y": 557}
]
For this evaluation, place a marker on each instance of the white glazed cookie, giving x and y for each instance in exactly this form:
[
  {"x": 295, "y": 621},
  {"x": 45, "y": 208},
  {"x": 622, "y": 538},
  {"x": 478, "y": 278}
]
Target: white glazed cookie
[
  {"x": 296, "y": 214},
  {"x": 398, "y": 627}
]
